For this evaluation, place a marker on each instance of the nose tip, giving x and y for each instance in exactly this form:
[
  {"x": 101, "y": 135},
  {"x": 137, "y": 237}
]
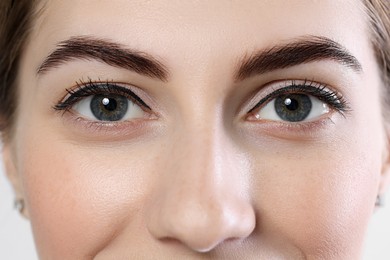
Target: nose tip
[
  {"x": 202, "y": 227},
  {"x": 202, "y": 231}
]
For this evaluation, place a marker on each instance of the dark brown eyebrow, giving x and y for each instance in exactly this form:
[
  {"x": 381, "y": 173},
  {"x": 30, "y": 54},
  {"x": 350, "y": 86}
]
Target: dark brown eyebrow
[
  {"x": 303, "y": 50},
  {"x": 113, "y": 54}
]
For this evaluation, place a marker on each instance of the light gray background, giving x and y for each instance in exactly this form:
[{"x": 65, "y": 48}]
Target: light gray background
[{"x": 16, "y": 242}]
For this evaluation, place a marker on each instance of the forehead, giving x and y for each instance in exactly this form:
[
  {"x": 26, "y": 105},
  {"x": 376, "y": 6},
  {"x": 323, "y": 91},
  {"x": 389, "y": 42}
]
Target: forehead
[{"x": 175, "y": 29}]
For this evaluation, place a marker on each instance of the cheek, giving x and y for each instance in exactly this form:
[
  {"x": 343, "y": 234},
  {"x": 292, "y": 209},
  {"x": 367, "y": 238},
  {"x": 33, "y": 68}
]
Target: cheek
[
  {"x": 79, "y": 196},
  {"x": 320, "y": 197}
]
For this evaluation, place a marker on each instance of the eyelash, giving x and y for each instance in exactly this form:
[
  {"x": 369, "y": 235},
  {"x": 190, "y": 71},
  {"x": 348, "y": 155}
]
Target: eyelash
[
  {"x": 91, "y": 88},
  {"x": 318, "y": 90}
]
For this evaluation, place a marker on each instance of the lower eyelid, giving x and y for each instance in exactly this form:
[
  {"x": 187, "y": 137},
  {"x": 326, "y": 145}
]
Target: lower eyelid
[
  {"x": 82, "y": 129},
  {"x": 308, "y": 130}
]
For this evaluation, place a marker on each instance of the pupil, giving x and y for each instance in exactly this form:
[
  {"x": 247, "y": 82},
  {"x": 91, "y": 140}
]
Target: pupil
[
  {"x": 109, "y": 104},
  {"x": 291, "y": 104}
]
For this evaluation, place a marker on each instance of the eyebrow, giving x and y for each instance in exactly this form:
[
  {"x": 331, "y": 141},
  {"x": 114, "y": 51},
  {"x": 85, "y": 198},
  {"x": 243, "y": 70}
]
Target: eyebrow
[
  {"x": 113, "y": 54},
  {"x": 303, "y": 50}
]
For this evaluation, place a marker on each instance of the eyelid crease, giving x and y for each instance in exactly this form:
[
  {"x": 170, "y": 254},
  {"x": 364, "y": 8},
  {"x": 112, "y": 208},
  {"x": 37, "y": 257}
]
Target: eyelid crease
[{"x": 318, "y": 90}]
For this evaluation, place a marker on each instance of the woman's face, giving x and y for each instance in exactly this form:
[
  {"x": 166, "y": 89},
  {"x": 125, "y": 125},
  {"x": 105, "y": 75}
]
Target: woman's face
[{"x": 189, "y": 129}]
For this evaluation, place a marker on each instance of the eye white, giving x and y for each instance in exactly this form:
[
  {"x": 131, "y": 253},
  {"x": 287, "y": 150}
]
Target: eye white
[
  {"x": 83, "y": 107},
  {"x": 318, "y": 109}
]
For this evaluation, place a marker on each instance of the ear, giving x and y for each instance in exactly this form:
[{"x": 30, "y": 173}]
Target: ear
[{"x": 13, "y": 175}]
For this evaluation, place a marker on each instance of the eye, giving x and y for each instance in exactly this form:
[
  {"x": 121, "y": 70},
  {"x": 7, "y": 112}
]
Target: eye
[
  {"x": 107, "y": 102},
  {"x": 292, "y": 102},
  {"x": 293, "y": 108},
  {"x": 109, "y": 107}
]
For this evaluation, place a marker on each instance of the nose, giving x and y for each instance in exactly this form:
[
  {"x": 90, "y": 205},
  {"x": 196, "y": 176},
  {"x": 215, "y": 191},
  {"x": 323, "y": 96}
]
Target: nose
[{"x": 202, "y": 200}]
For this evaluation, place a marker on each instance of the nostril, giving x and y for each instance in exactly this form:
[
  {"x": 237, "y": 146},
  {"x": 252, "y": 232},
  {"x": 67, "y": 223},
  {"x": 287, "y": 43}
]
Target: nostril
[
  {"x": 207, "y": 247},
  {"x": 200, "y": 248}
]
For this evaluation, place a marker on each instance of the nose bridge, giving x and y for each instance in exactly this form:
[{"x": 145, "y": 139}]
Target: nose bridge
[
  {"x": 201, "y": 155},
  {"x": 204, "y": 169},
  {"x": 201, "y": 203}
]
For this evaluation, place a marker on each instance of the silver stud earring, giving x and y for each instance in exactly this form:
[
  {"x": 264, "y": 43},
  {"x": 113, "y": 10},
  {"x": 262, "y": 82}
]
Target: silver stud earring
[
  {"x": 379, "y": 201},
  {"x": 19, "y": 205}
]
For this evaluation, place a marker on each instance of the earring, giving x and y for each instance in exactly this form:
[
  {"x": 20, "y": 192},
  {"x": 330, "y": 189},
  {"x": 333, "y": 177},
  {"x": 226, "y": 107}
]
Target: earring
[
  {"x": 19, "y": 205},
  {"x": 379, "y": 201}
]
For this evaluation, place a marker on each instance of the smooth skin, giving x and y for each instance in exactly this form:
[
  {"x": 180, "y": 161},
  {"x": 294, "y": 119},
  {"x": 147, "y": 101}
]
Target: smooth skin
[{"x": 197, "y": 177}]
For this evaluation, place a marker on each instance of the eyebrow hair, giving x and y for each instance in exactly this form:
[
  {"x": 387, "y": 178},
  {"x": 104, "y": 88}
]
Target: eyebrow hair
[
  {"x": 303, "y": 50},
  {"x": 113, "y": 54}
]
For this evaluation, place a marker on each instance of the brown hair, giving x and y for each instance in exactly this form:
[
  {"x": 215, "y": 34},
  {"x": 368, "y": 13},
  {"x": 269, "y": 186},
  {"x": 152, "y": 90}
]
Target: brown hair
[
  {"x": 16, "y": 19},
  {"x": 379, "y": 15}
]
